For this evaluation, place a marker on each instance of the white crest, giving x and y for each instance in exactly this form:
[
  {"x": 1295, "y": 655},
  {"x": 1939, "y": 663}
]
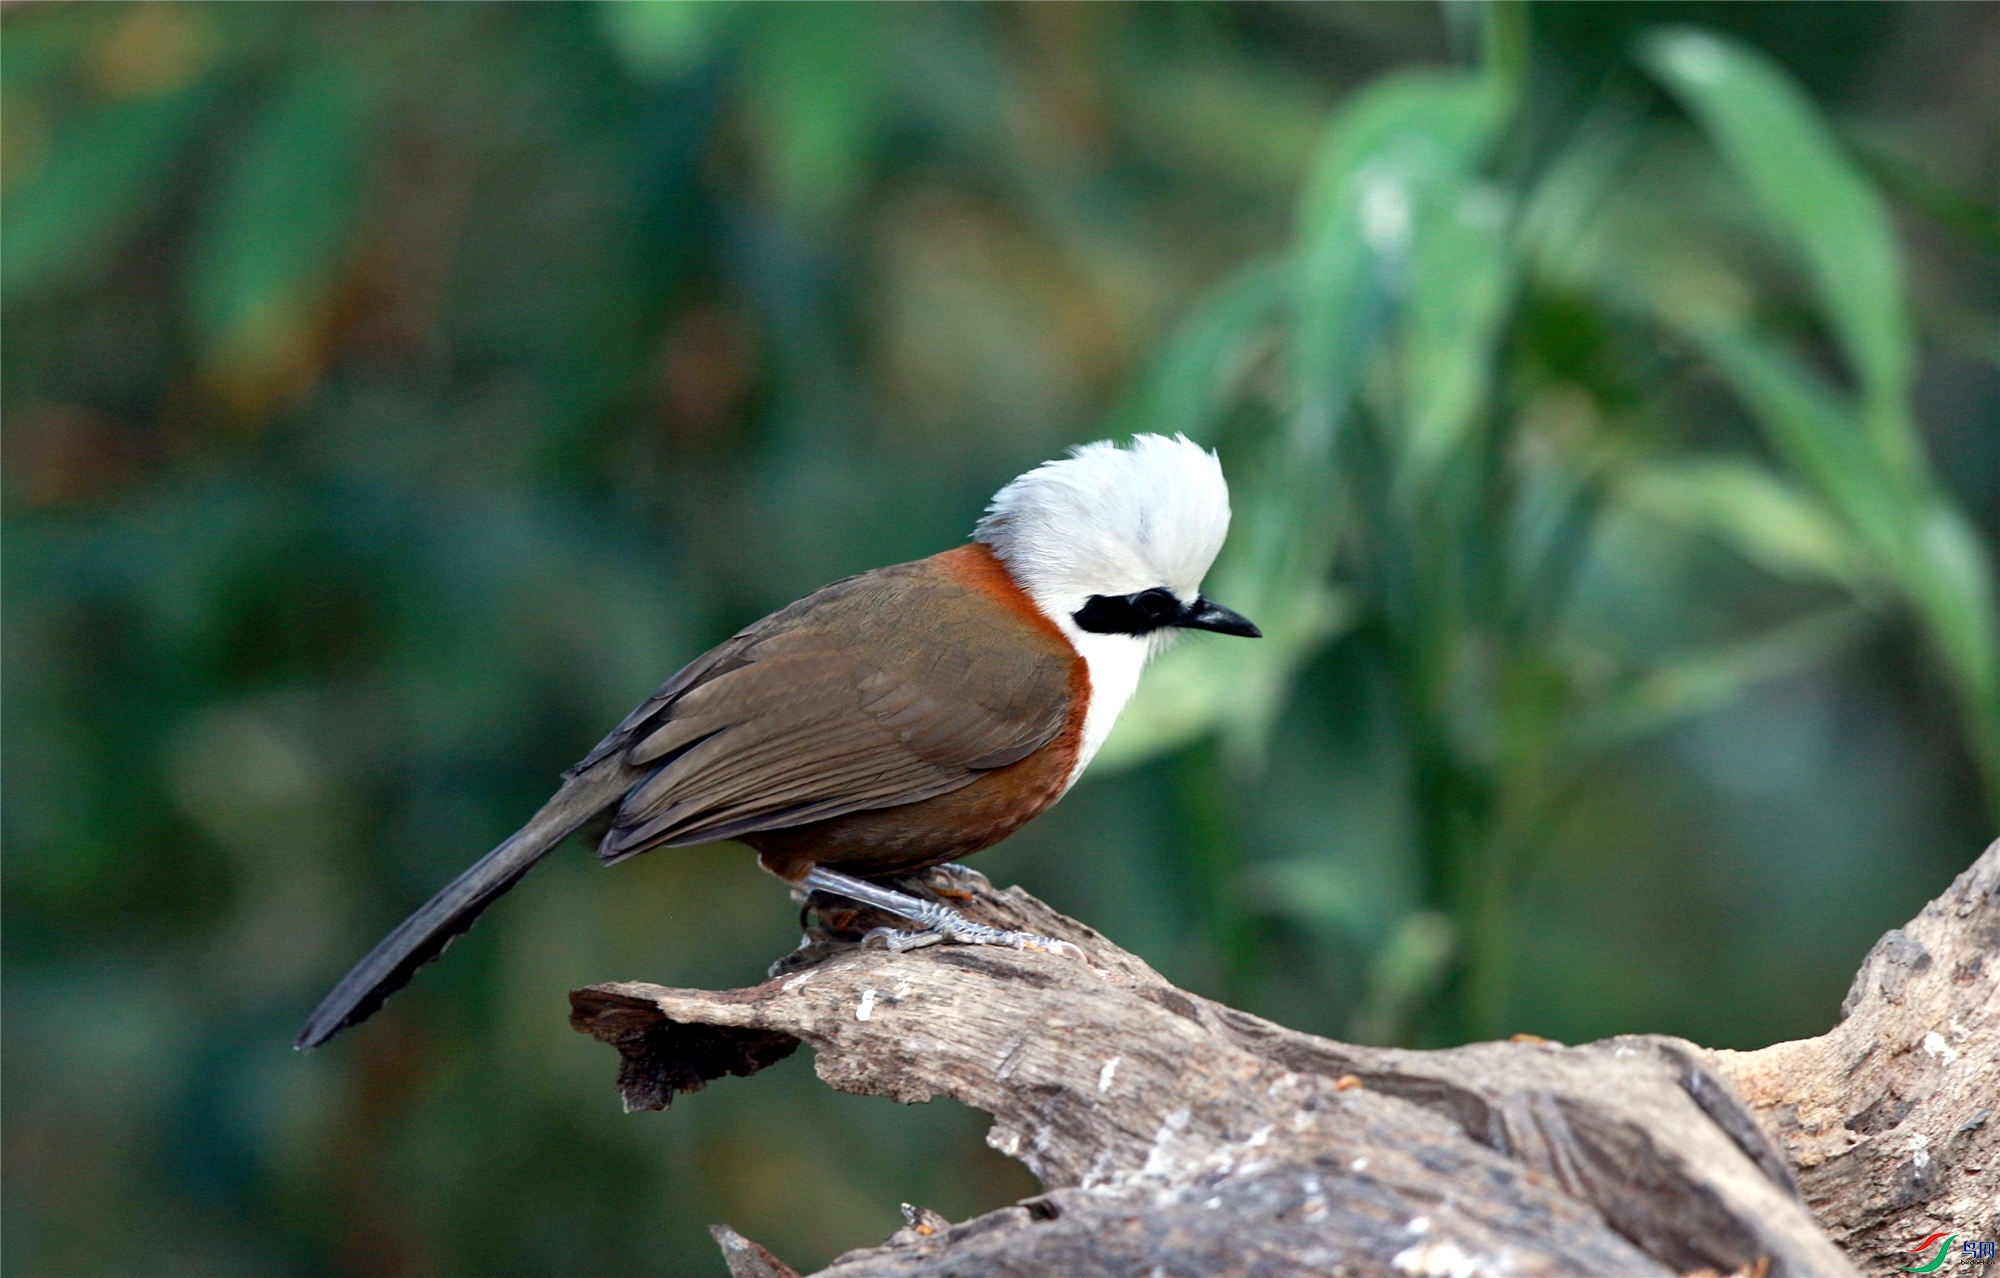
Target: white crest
[{"x": 1111, "y": 521}]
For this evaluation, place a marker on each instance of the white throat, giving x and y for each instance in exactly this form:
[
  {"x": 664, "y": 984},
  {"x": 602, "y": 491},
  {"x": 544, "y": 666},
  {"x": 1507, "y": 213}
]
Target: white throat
[{"x": 1114, "y": 663}]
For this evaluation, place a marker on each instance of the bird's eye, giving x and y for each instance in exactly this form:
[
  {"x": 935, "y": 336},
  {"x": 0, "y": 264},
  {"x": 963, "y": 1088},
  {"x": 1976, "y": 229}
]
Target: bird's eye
[{"x": 1156, "y": 605}]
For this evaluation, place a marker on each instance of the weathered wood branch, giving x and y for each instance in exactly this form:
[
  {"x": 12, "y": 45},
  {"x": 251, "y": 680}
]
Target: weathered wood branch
[
  {"x": 1174, "y": 1135},
  {"x": 1891, "y": 1119}
]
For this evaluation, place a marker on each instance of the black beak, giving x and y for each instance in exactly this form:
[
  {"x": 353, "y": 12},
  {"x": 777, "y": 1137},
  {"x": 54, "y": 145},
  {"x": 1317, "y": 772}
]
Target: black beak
[{"x": 1203, "y": 615}]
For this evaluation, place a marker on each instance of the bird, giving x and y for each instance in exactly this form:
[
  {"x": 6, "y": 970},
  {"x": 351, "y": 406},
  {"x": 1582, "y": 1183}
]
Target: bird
[{"x": 892, "y": 721}]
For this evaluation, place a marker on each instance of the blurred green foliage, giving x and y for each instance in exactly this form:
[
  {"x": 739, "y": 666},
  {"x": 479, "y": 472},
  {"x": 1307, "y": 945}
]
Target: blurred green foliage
[{"x": 395, "y": 394}]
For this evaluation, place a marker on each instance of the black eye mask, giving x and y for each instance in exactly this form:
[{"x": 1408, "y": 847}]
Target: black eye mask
[{"x": 1157, "y": 609}]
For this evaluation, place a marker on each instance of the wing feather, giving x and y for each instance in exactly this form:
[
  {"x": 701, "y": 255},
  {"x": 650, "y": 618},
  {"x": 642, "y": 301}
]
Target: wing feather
[{"x": 883, "y": 689}]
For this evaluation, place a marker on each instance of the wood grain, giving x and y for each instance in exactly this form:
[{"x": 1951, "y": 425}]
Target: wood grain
[
  {"x": 1174, "y": 1135},
  {"x": 1891, "y": 1120}
]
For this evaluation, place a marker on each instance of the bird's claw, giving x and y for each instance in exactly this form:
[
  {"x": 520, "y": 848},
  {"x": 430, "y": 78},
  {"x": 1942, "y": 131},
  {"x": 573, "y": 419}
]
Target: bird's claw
[
  {"x": 897, "y": 942},
  {"x": 1048, "y": 945},
  {"x": 900, "y": 942},
  {"x": 1029, "y": 941}
]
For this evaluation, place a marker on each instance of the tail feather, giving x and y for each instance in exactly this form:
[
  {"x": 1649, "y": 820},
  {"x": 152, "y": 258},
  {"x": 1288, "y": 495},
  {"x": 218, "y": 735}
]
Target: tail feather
[{"x": 424, "y": 935}]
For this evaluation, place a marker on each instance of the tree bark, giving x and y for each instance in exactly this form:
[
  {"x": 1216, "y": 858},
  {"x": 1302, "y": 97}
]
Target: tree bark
[
  {"x": 1177, "y": 1136},
  {"x": 1889, "y": 1120}
]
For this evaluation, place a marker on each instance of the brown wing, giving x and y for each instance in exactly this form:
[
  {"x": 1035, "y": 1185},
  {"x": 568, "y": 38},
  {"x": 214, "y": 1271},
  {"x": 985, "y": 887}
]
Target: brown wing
[{"x": 883, "y": 689}]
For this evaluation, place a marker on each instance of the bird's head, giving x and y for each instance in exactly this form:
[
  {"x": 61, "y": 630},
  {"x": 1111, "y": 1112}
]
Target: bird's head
[{"x": 1115, "y": 541}]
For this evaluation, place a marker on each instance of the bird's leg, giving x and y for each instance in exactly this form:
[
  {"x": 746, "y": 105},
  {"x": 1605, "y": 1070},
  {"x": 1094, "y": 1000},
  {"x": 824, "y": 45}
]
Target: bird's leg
[{"x": 939, "y": 923}]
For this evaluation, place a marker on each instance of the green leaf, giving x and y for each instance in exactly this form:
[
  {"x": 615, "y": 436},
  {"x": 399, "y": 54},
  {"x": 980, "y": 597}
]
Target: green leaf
[
  {"x": 272, "y": 241},
  {"x": 1910, "y": 182},
  {"x": 1678, "y": 690},
  {"x": 1813, "y": 430},
  {"x": 659, "y": 40},
  {"x": 1917, "y": 545},
  {"x": 102, "y": 178},
  {"x": 1767, "y": 519},
  {"x": 1950, "y": 582},
  {"x": 1819, "y": 203},
  {"x": 1561, "y": 228},
  {"x": 1395, "y": 158},
  {"x": 816, "y": 79},
  {"x": 1322, "y": 892},
  {"x": 1385, "y": 153},
  {"x": 1186, "y": 388},
  {"x": 1458, "y": 300},
  {"x": 1405, "y": 973}
]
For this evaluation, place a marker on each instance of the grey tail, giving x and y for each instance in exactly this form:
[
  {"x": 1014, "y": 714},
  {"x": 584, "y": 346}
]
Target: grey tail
[{"x": 424, "y": 935}]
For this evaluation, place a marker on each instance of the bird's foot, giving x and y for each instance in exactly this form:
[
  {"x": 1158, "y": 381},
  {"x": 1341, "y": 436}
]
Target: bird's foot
[
  {"x": 888, "y": 938},
  {"x": 949, "y": 925},
  {"x": 953, "y": 926},
  {"x": 935, "y": 922}
]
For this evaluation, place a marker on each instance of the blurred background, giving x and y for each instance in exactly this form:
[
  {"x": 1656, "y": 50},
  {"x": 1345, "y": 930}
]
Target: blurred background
[{"x": 395, "y": 394}]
